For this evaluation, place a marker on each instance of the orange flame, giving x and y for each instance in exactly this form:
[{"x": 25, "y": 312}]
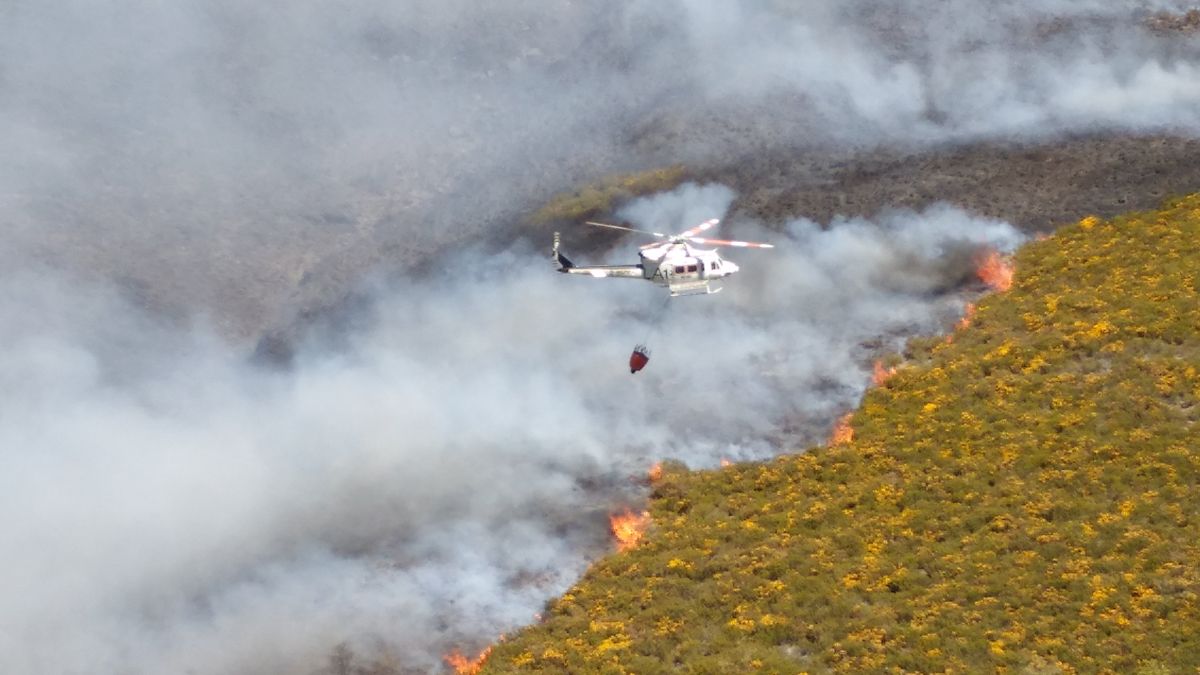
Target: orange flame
[
  {"x": 842, "y": 431},
  {"x": 995, "y": 270},
  {"x": 465, "y": 666},
  {"x": 964, "y": 322},
  {"x": 881, "y": 374},
  {"x": 968, "y": 315},
  {"x": 628, "y": 527},
  {"x": 726, "y": 462},
  {"x": 655, "y": 472}
]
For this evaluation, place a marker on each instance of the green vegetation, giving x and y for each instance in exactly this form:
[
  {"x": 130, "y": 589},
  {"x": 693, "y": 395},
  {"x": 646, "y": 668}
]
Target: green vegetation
[
  {"x": 1021, "y": 498},
  {"x": 602, "y": 196}
]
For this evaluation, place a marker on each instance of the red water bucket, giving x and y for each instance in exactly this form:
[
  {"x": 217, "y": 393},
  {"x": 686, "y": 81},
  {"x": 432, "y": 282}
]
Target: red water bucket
[{"x": 639, "y": 358}]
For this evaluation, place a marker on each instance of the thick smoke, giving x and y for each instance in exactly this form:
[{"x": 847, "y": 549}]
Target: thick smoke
[
  {"x": 865, "y": 71},
  {"x": 249, "y": 160},
  {"x": 180, "y": 174},
  {"x": 172, "y": 509}
]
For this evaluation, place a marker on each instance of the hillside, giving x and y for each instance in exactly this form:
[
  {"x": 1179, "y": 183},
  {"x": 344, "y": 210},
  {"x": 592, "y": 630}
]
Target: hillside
[{"x": 1019, "y": 495}]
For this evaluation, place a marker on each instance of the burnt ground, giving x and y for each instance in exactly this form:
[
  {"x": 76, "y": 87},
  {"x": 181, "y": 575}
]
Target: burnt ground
[
  {"x": 273, "y": 255},
  {"x": 1034, "y": 187}
]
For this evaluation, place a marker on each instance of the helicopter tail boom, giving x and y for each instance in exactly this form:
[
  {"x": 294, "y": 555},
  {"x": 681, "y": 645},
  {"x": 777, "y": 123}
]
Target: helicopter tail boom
[
  {"x": 597, "y": 271},
  {"x": 601, "y": 271}
]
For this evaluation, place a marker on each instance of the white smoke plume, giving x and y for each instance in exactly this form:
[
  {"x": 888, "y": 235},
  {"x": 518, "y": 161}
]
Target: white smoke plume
[
  {"x": 867, "y": 71},
  {"x": 169, "y": 508},
  {"x": 249, "y": 160},
  {"x": 177, "y": 174}
]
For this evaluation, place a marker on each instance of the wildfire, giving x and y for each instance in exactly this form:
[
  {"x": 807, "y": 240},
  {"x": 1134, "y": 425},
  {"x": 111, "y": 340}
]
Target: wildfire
[
  {"x": 628, "y": 527},
  {"x": 726, "y": 462},
  {"x": 968, "y": 315},
  {"x": 881, "y": 374},
  {"x": 842, "y": 431},
  {"x": 655, "y": 472},
  {"x": 995, "y": 270},
  {"x": 465, "y": 666}
]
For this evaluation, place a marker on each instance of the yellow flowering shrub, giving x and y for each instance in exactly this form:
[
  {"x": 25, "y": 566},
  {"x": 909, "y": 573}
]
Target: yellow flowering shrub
[{"x": 1020, "y": 499}]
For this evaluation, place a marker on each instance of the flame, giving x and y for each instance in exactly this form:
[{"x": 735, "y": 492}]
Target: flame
[
  {"x": 881, "y": 374},
  {"x": 465, "y": 666},
  {"x": 726, "y": 462},
  {"x": 628, "y": 527},
  {"x": 655, "y": 472},
  {"x": 968, "y": 315},
  {"x": 842, "y": 431},
  {"x": 965, "y": 321},
  {"x": 995, "y": 270}
]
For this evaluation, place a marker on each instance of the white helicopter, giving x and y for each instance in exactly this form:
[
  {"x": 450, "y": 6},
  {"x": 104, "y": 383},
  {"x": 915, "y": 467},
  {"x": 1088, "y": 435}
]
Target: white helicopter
[{"x": 673, "y": 263}]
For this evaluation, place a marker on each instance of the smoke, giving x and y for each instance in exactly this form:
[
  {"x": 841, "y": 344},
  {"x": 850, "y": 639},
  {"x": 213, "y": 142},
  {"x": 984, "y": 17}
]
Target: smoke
[
  {"x": 250, "y": 160},
  {"x": 171, "y": 508},
  {"x": 866, "y": 72},
  {"x": 182, "y": 177}
]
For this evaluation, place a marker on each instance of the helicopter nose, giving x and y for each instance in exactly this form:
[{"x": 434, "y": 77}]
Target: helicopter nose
[{"x": 730, "y": 268}]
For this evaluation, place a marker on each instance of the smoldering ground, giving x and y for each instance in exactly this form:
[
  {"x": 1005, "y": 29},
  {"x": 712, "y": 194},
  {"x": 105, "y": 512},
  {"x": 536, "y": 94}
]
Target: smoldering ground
[{"x": 433, "y": 482}]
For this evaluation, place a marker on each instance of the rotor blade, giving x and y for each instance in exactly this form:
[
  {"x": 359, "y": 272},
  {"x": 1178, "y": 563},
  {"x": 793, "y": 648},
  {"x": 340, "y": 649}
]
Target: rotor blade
[
  {"x": 700, "y": 228},
  {"x": 722, "y": 242},
  {"x": 627, "y": 229},
  {"x": 670, "y": 243}
]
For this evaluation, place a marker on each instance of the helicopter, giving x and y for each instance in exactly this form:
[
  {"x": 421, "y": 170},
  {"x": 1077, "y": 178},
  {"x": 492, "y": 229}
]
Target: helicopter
[{"x": 673, "y": 262}]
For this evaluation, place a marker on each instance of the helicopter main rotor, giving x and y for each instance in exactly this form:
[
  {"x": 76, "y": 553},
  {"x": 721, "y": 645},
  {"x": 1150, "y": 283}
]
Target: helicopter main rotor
[{"x": 686, "y": 236}]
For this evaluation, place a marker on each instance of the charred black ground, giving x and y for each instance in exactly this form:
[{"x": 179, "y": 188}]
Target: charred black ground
[{"x": 1034, "y": 186}]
